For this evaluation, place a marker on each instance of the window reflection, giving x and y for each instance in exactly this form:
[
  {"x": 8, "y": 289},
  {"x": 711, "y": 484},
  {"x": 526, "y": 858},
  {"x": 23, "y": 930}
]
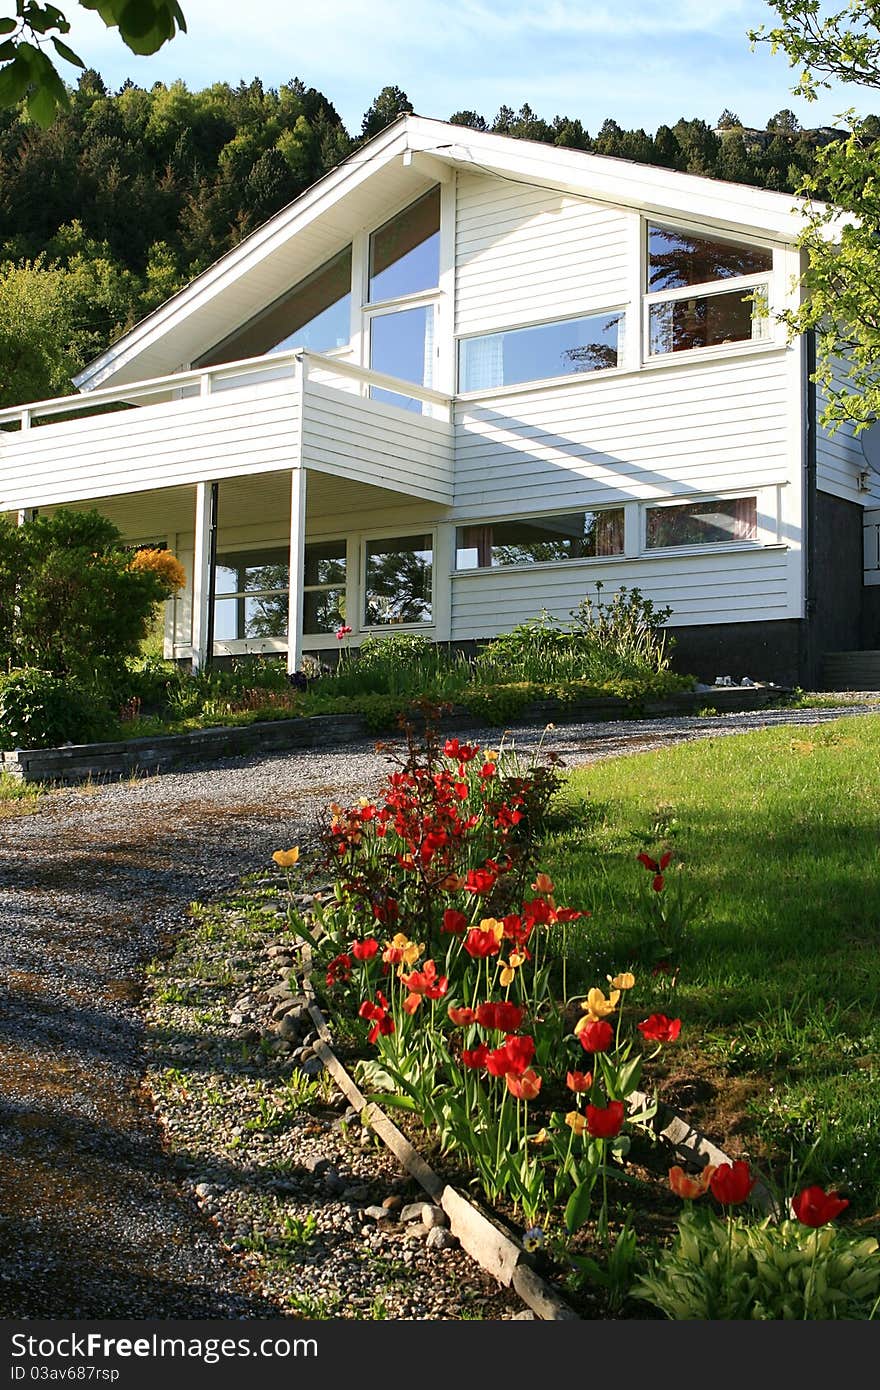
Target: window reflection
[
  {"x": 405, "y": 251},
  {"x": 315, "y": 314},
  {"x": 706, "y": 320},
  {"x": 398, "y": 580},
  {"x": 575, "y": 536},
  {"x": 708, "y": 522},
  {"x": 324, "y": 587},
  {"x": 677, "y": 259},
  {"x": 544, "y": 350},
  {"x": 402, "y": 345},
  {"x": 251, "y": 589}
]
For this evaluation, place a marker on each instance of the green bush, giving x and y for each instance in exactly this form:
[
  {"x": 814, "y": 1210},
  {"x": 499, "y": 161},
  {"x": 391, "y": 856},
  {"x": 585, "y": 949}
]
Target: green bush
[
  {"x": 401, "y": 664},
  {"x": 70, "y": 600},
  {"x": 39, "y": 709},
  {"x": 619, "y": 640}
]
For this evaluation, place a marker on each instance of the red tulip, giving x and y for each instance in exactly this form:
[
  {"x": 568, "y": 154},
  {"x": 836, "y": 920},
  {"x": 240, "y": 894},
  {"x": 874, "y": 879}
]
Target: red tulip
[
  {"x": 505, "y": 1017},
  {"x": 366, "y": 949},
  {"x": 514, "y": 1057},
  {"x": 605, "y": 1121},
  {"x": 475, "y": 1057},
  {"x": 596, "y": 1036},
  {"x": 815, "y": 1207},
  {"x": 461, "y": 1017},
  {"x": 731, "y": 1184},
  {"x": 455, "y": 923},
  {"x": 659, "y": 1028}
]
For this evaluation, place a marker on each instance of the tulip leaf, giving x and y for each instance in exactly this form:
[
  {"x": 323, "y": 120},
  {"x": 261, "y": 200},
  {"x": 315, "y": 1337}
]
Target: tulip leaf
[{"x": 577, "y": 1209}]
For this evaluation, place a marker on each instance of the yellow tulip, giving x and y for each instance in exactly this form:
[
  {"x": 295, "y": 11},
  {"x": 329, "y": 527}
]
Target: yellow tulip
[
  {"x": 576, "y": 1121},
  {"x": 596, "y": 1006},
  {"x": 625, "y": 980},
  {"x": 286, "y": 858},
  {"x": 494, "y": 926},
  {"x": 510, "y": 967}
]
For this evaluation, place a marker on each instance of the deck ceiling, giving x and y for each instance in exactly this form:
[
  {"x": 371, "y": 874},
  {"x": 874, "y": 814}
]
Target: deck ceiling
[{"x": 258, "y": 501}]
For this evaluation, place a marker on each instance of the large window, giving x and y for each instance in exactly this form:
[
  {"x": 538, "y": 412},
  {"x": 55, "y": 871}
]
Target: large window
[
  {"x": 315, "y": 314},
  {"x": 708, "y": 522},
  {"x": 398, "y": 580},
  {"x": 402, "y": 344},
  {"x": 405, "y": 251},
  {"x": 324, "y": 587},
  {"x": 251, "y": 595},
  {"x": 537, "y": 540},
  {"x": 680, "y": 263},
  {"x": 542, "y": 350}
]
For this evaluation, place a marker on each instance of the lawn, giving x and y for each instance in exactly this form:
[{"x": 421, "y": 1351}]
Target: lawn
[{"x": 777, "y": 833}]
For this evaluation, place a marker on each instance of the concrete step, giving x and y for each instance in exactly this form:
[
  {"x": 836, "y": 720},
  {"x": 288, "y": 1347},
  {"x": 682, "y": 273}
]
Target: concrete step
[{"x": 851, "y": 670}]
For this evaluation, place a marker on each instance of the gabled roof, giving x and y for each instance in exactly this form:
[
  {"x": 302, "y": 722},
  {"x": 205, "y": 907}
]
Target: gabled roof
[{"x": 385, "y": 174}]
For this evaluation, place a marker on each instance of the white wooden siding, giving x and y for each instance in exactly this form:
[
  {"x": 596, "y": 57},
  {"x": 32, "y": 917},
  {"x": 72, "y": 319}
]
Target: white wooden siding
[
  {"x": 524, "y": 254},
  {"x": 738, "y": 586},
  {"x": 237, "y": 432},
  {"x": 370, "y": 442},
  {"x": 840, "y": 459},
  {"x": 653, "y": 434}
]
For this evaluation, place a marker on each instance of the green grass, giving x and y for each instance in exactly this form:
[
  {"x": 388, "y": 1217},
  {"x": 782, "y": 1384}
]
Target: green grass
[
  {"x": 18, "y": 798},
  {"x": 778, "y": 834}
]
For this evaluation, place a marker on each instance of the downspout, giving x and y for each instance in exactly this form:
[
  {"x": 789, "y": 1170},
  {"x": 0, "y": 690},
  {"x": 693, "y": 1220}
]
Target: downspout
[
  {"x": 809, "y": 655},
  {"x": 212, "y": 573}
]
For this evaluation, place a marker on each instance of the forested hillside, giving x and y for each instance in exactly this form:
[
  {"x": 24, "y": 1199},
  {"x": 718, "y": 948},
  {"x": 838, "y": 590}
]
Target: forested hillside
[{"x": 128, "y": 195}]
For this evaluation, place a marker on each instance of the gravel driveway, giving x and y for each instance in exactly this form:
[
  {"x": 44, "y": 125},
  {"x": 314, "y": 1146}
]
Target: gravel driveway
[{"x": 94, "y": 1219}]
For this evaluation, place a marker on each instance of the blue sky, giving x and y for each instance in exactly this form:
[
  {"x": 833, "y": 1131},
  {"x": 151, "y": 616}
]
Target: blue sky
[{"x": 643, "y": 62}]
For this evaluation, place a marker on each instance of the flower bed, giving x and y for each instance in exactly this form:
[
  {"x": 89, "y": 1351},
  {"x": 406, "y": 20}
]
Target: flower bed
[{"x": 455, "y": 978}]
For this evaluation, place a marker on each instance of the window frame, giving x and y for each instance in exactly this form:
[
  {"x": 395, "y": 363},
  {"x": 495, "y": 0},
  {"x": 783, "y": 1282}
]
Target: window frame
[
  {"x": 761, "y": 281},
  {"x": 236, "y": 645},
  {"x": 765, "y": 534},
  {"x": 523, "y": 565},
  {"x": 362, "y": 627},
  {"x": 620, "y": 311}
]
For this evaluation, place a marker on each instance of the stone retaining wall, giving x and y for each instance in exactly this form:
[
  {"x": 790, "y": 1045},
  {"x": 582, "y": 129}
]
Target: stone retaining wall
[{"x": 148, "y": 756}]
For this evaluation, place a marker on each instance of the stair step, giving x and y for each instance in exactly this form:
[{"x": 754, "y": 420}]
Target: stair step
[{"x": 858, "y": 670}]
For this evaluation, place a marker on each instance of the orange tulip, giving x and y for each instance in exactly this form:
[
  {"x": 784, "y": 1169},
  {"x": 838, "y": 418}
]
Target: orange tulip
[
  {"x": 524, "y": 1087},
  {"x": 687, "y": 1187}
]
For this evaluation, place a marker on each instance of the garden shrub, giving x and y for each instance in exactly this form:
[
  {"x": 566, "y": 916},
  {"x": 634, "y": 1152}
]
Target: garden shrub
[
  {"x": 39, "y": 709},
  {"x": 618, "y": 640},
  {"x": 74, "y": 600}
]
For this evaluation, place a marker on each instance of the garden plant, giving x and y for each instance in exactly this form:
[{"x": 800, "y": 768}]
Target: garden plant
[{"x": 467, "y": 992}]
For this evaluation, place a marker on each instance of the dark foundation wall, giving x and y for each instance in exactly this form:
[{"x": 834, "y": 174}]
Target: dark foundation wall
[
  {"x": 837, "y": 588},
  {"x": 762, "y": 651}
]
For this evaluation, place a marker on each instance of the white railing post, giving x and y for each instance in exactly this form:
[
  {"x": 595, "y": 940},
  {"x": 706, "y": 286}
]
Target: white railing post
[{"x": 298, "y": 477}]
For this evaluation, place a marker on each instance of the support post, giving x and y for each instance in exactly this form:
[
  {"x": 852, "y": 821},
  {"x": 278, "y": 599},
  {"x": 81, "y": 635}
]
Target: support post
[
  {"x": 207, "y": 495},
  {"x": 297, "y": 567},
  {"x": 25, "y": 514}
]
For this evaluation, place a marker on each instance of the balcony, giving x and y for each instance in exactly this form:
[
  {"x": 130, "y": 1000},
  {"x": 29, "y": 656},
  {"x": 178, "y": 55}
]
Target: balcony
[{"x": 294, "y": 410}]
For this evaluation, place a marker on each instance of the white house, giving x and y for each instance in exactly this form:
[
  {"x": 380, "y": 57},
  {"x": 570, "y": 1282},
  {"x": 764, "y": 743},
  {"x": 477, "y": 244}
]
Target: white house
[{"x": 460, "y": 380}]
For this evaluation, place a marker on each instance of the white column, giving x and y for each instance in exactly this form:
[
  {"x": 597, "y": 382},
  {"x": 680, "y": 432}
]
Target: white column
[
  {"x": 26, "y": 514},
  {"x": 297, "y": 565},
  {"x": 201, "y": 577},
  {"x": 444, "y": 564}
]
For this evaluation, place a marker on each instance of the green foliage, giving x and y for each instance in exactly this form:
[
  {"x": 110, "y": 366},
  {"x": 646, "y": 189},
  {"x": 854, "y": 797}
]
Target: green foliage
[
  {"x": 605, "y": 642},
  {"x": 763, "y": 1271},
  {"x": 27, "y": 71},
  {"x": 401, "y": 664},
  {"x": 73, "y": 604},
  {"x": 840, "y": 234},
  {"x": 42, "y": 710}
]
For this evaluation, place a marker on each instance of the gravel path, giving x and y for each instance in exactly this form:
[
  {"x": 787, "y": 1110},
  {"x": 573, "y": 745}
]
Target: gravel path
[{"x": 95, "y": 1221}]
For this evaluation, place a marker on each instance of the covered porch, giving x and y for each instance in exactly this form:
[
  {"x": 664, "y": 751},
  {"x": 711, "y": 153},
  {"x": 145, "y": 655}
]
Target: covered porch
[{"x": 297, "y": 501}]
